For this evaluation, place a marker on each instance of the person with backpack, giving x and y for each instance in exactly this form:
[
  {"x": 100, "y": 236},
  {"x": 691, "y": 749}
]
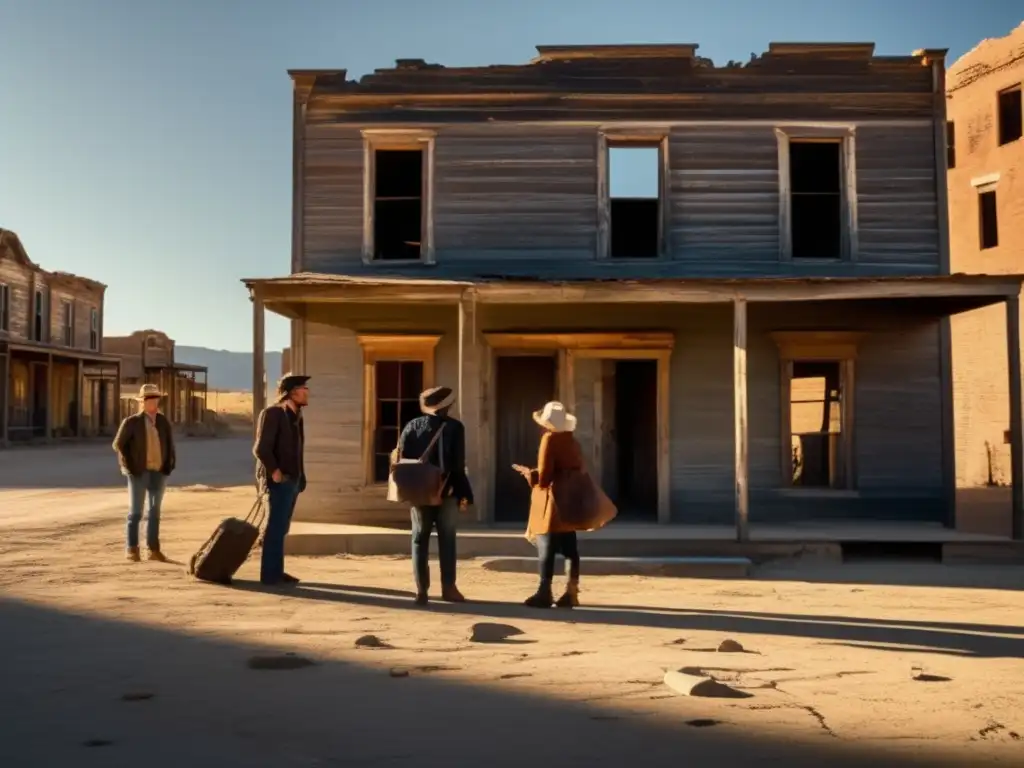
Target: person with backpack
[{"x": 438, "y": 439}]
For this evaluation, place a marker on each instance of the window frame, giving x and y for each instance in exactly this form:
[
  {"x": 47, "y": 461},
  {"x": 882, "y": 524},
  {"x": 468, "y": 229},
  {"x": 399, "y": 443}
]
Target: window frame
[
  {"x": 982, "y": 185},
  {"x": 94, "y": 329},
  {"x": 846, "y": 137},
  {"x": 39, "y": 315},
  {"x": 607, "y": 139},
  {"x": 67, "y": 322},
  {"x": 419, "y": 348},
  {"x": 818, "y": 346},
  {"x": 398, "y": 139},
  {"x": 1017, "y": 88},
  {"x": 950, "y": 145},
  {"x": 5, "y": 308}
]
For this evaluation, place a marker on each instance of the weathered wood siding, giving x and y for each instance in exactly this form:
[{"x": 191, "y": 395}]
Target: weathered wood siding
[
  {"x": 18, "y": 278},
  {"x": 83, "y": 300},
  {"x": 509, "y": 198},
  {"x": 504, "y": 193},
  {"x": 897, "y": 423}
]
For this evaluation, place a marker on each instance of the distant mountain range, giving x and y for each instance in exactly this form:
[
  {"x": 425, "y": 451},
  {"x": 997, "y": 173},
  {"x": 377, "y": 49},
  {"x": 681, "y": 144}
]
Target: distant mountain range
[{"x": 228, "y": 371}]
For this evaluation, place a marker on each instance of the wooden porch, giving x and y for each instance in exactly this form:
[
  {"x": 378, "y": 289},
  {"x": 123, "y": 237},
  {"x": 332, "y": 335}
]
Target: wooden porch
[{"x": 938, "y": 297}]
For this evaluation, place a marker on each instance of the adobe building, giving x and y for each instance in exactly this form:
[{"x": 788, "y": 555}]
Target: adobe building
[{"x": 985, "y": 159}]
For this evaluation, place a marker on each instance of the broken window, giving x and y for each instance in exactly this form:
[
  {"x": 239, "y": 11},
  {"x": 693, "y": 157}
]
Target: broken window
[
  {"x": 816, "y": 199},
  {"x": 68, "y": 323},
  {"x": 634, "y": 192},
  {"x": 398, "y": 204},
  {"x": 950, "y": 144},
  {"x": 94, "y": 329},
  {"x": 988, "y": 223},
  {"x": 816, "y": 424},
  {"x": 38, "y": 315},
  {"x": 1011, "y": 115},
  {"x": 396, "y": 403},
  {"x": 5, "y": 307}
]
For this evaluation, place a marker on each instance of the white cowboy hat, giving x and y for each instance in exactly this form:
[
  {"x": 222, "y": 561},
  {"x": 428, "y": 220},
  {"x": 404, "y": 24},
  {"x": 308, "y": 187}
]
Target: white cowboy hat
[
  {"x": 554, "y": 417},
  {"x": 435, "y": 399},
  {"x": 149, "y": 390}
]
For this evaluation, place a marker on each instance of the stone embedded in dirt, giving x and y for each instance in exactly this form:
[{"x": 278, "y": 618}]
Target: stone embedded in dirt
[
  {"x": 136, "y": 696},
  {"x": 704, "y": 686},
  {"x": 398, "y": 672},
  {"x": 486, "y": 632},
  {"x": 730, "y": 646},
  {"x": 371, "y": 641},
  {"x": 285, "y": 661},
  {"x": 200, "y": 489},
  {"x": 703, "y": 722}
]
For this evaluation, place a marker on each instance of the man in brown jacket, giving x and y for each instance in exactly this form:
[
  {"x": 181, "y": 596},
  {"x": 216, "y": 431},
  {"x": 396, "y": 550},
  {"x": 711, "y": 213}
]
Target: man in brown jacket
[
  {"x": 280, "y": 470},
  {"x": 145, "y": 452}
]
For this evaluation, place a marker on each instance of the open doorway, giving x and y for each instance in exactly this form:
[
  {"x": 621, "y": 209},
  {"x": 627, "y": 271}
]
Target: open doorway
[{"x": 629, "y": 437}]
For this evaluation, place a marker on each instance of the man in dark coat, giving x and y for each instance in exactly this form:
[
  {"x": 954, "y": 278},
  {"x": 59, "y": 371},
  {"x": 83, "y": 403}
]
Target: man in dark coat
[
  {"x": 280, "y": 471},
  {"x": 448, "y": 453},
  {"x": 145, "y": 453}
]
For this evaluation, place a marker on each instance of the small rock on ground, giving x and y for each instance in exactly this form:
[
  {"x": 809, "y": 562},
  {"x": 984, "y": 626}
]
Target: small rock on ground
[{"x": 286, "y": 661}]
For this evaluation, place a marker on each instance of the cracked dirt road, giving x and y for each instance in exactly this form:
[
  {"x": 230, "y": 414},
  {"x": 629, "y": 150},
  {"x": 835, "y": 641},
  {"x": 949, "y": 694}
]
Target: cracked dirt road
[{"x": 108, "y": 664}]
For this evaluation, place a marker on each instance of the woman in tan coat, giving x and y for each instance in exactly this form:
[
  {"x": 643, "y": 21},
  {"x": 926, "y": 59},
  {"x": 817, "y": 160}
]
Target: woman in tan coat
[{"x": 559, "y": 454}]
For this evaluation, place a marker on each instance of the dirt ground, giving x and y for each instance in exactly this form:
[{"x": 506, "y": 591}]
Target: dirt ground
[{"x": 106, "y": 663}]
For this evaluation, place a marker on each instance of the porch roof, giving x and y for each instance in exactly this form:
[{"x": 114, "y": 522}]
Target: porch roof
[
  {"x": 67, "y": 353},
  {"x": 933, "y": 294}
]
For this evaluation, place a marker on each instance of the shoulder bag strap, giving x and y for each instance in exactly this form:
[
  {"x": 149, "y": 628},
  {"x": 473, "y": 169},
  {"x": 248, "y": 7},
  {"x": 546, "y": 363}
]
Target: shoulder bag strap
[{"x": 433, "y": 440}]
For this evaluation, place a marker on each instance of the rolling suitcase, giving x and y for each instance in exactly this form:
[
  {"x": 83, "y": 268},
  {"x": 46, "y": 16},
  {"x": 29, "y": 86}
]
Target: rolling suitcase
[{"x": 222, "y": 555}]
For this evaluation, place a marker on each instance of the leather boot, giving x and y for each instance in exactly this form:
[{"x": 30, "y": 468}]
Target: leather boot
[
  {"x": 156, "y": 556},
  {"x": 132, "y": 555},
  {"x": 451, "y": 594},
  {"x": 571, "y": 597},
  {"x": 542, "y": 598}
]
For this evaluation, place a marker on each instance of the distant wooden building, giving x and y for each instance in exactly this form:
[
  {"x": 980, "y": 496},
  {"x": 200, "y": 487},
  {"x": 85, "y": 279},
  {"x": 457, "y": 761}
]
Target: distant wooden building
[
  {"x": 758, "y": 332},
  {"x": 147, "y": 357},
  {"x": 55, "y": 380}
]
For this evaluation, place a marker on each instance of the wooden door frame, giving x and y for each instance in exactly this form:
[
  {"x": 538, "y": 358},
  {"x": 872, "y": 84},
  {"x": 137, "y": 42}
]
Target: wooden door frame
[{"x": 569, "y": 347}]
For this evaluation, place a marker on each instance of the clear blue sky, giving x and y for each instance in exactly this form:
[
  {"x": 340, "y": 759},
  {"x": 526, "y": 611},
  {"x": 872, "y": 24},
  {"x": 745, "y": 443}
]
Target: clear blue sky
[{"x": 146, "y": 143}]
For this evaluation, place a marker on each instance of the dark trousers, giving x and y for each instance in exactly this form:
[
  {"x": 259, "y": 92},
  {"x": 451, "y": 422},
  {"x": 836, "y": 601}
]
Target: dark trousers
[
  {"x": 445, "y": 518},
  {"x": 551, "y": 544},
  {"x": 282, "y": 498}
]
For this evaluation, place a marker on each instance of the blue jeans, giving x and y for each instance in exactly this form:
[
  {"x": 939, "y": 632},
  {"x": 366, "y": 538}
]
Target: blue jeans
[
  {"x": 149, "y": 483},
  {"x": 445, "y": 517},
  {"x": 549, "y": 546},
  {"x": 282, "y": 498}
]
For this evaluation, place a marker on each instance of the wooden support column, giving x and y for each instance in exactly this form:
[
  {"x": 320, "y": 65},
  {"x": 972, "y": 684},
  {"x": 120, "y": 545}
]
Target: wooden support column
[
  {"x": 80, "y": 387},
  {"x": 567, "y": 379},
  {"x": 1016, "y": 416},
  {"x": 5, "y": 403},
  {"x": 469, "y": 400},
  {"x": 49, "y": 398},
  {"x": 664, "y": 395},
  {"x": 739, "y": 385},
  {"x": 259, "y": 379}
]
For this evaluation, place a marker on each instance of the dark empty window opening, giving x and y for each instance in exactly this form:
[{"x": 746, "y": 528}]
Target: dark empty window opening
[
  {"x": 1011, "y": 115},
  {"x": 950, "y": 144},
  {"x": 634, "y": 201},
  {"x": 398, "y": 204},
  {"x": 816, "y": 199},
  {"x": 5, "y": 307},
  {"x": 68, "y": 323},
  {"x": 398, "y": 387},
  {"x": 38, "y": 316},
  {"x": 988, "y": 223}
]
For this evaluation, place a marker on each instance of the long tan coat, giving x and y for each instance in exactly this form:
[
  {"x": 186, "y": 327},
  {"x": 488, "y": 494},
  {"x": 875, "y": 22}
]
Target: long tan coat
[{"x": 559, "y": 452}]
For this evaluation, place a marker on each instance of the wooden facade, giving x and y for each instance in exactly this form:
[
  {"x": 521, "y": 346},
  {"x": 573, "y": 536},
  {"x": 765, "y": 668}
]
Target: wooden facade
[
  {"x": 147, "y": 357},
  {"x": 56, "y": 380},
  {"x": 740, "y": 365}
]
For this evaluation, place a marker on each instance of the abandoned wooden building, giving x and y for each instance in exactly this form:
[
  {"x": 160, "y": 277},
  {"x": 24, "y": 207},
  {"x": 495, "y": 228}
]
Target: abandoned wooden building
[
  {"x": 147, "y": 357},
  {"x": 736, "y": 276},
  {"x": 56, "y": 380}
]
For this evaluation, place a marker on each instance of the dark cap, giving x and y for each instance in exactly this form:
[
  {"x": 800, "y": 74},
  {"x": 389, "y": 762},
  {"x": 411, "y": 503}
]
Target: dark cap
[{"x": 289, "y": 382}]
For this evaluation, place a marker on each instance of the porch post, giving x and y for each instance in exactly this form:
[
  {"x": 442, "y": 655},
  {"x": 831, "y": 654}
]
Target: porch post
[
  {"x": 5, "y": 402},
  {"x": 49, "y": 398},
  {"x": 80, "y": 386},
  {"x": 1016, "y": 416},
  {"x": 259, "y": 383},
  {"x": 469, "y": 397},
  {"x": 739, "y": 384}
]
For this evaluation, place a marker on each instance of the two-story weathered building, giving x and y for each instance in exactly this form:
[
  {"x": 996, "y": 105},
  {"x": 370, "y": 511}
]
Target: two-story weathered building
[
  {"x": 55, "y": 381},
  {"x": 736, "y": 276}
]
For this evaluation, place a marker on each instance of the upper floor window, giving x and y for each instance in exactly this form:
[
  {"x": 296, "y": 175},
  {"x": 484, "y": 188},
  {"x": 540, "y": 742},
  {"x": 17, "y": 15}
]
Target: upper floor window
[
  {"x": 398, "y": 196},
  {"x": 817, "y": 196},
  {"x": 632, "y": 196},
  {"x": 5, "y": 307},
  {"x": 1011, "y": 115},
  {"x": 950, "y": 144},
  {"x": 988, "y": 221},
  {"x": 152, "y": 342},
  {"x": 94, "y": 329},
  {"x": 67, "y": 317},
  {"x": 38, "y": 315}
]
